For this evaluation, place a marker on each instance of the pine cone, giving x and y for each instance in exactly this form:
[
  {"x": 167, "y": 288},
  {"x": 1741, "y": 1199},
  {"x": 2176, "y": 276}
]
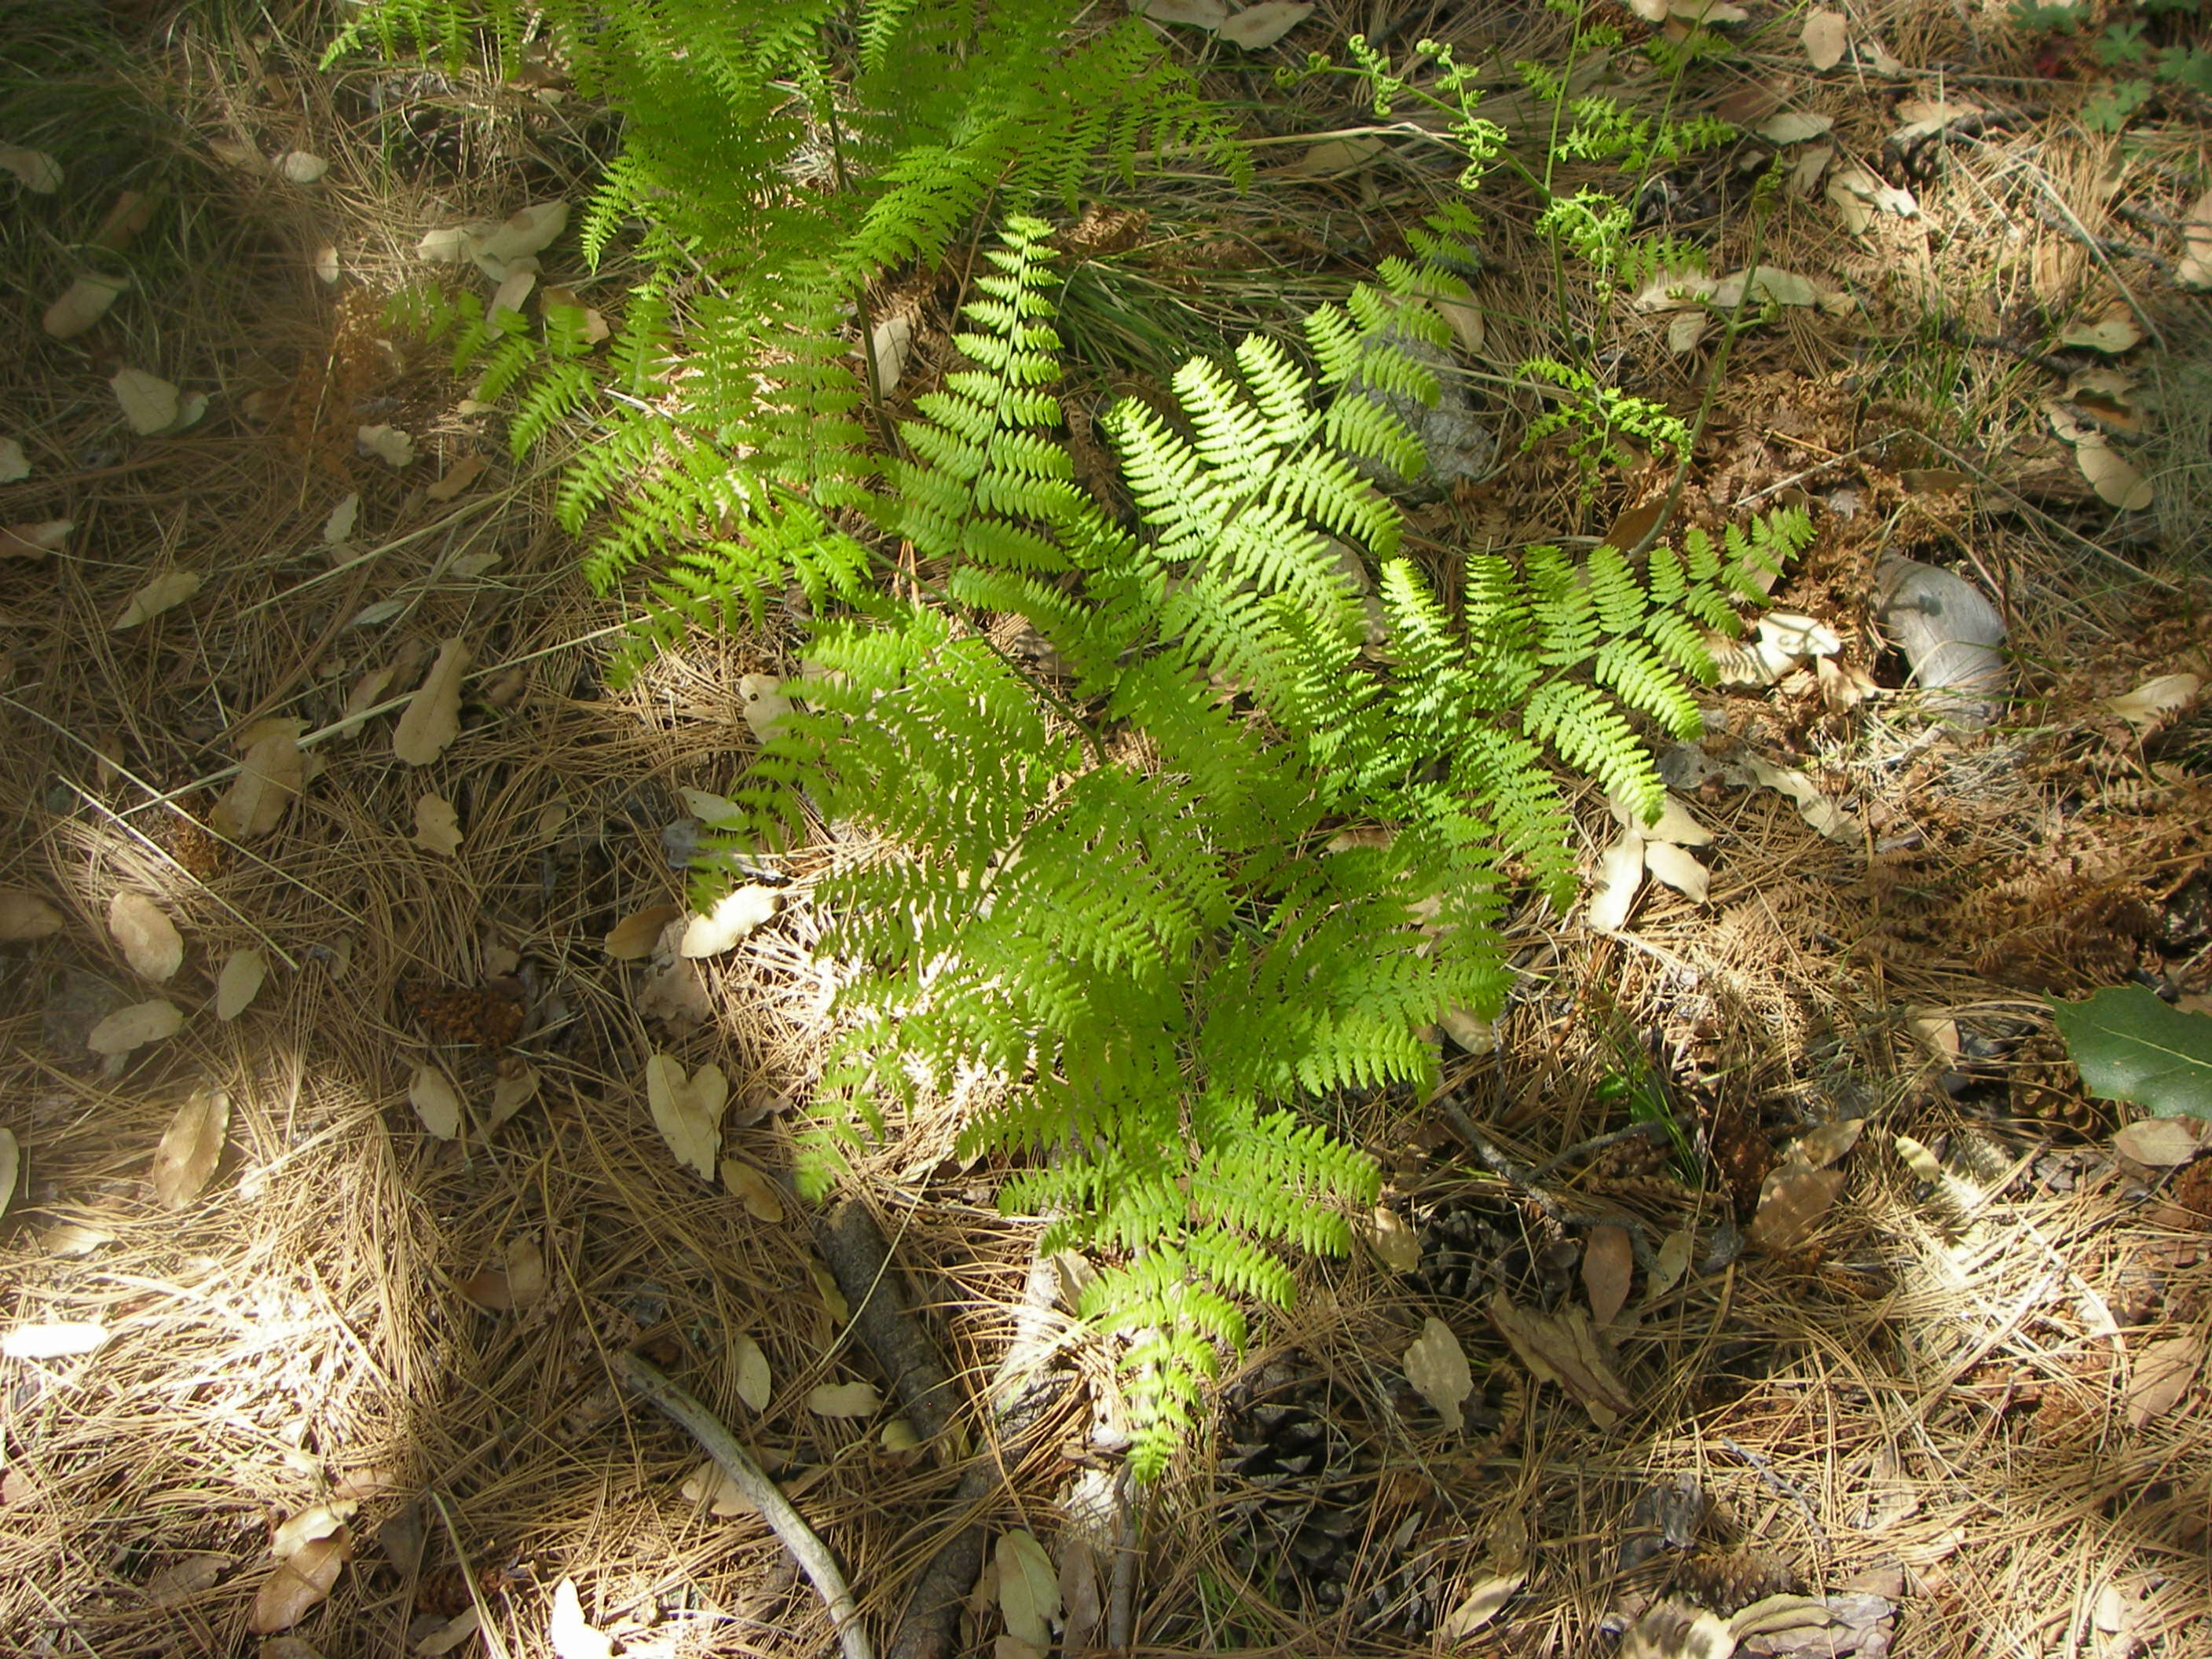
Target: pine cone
[{"x": 1725, "y": 1580}]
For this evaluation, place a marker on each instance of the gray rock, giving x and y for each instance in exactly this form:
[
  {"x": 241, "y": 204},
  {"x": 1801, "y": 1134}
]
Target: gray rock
[{"x": 1460, "y": 449}]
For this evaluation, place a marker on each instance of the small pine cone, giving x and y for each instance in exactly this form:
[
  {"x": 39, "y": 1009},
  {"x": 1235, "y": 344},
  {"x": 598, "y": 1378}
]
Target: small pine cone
[
  {"x": 1727, "y": 1580},
  {"x": 2046, "y": 1089}
]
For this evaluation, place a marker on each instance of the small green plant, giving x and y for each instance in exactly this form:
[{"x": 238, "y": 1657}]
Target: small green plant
[
  {"x": 1229, "y": 864},
  {"x": 2165, "y": 38}
]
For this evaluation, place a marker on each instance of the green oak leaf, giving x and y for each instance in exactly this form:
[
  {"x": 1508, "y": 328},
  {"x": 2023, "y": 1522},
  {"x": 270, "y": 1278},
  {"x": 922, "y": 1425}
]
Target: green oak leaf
[{"x": 2130, "y": 1046}]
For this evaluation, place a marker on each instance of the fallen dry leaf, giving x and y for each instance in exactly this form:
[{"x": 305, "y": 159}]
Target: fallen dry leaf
[
  {"x": 1668, "y": 1263},
  {"x": 1028, "y": 1588},
  {"x": 300, "y": 1583},
  {"x": 2111, "y": 334},
  {"x": 14, "y": 465},
  {"x": 301, "y": 166},
  {"x": 763, "y": 1201},
  {"x": 83, "y": 303},
  {"x": 339, "y": 525},
  {"x": 1436, "y": 1364},
  {"x": 632, "y": 938},
  {"x": 519, "y": 236},
  {"x": 825, "y": 1285},
  {"x": 190, "y": 1148},
  {"x": 754, "y": 1381},
  {"x": 149, "y": 403},
  {"x": 2195, "y": 269},
  {"x": 163, "y": 593},
  {"x": 722, "y": 1496},
  {"x": 435, "y": 1101},
  {"x": 1674, "y": 825},
  {"x": 1620, "y": 878},
  {"x": 1393, "y": 1242},
  {"x": 512, "y": 1091},
  {"x": 1792, "y": 1201},
  {"x": 150, "y": 942},
  {"x": 437, "y": 829},
  {"x": 66, "y": 1339},
  {"x": 1199, "y": 14},
  {"x": 317, "y": 1521},
  {"x": 843, "y": 1399},
  {"x": 1608, "y": 1262},
  {"x": 1822, "y": 38},
  {"x": 271, "y": 774},
  {"x": 2159, "y": 1143},
  {"x": 395, "y": 448},
  {"x": 238, "y": 983},
  {"x": 459, "y": 476},
  {"x": 1257, "y": 27},
  {"x": 735, "y": 915},
  {"x": 324, "y": 265},
  {"x": 1792, "y": 126},
  {"x": 11, "y": 1168},
  {"x": 1818, "y": 1147},
  {"x": 2115, "y": 478},
  {"x": 762, "y": 701},
  {"x": 1678, "y": 869},
  {"x": 134, "y": 1027},
  {"x": 688, "y": 1111},
  {"x": 526, "y": 1270},
  {"x": 35, "y": 170},
  {"x": 25, "y": 915},
  {"x": 1561, "y": 1348},
  {"x": 431, "y": 718},
  {"x": 2163, "y": 1372},
  {"x": 35, "y": 541}
]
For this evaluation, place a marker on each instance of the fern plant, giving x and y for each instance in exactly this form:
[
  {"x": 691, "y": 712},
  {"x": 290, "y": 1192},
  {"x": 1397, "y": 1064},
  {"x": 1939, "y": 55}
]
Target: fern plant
[
  {"x": 778, "y": 157},
  {"x": 1229, "y": 864}
]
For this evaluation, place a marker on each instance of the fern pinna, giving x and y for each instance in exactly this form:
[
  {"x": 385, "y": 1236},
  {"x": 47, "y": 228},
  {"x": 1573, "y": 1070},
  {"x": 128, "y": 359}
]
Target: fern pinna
[{"x": 1228, "y": 862}]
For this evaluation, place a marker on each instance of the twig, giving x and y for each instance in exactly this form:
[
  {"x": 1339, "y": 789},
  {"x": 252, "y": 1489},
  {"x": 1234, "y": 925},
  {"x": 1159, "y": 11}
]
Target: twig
[
  {"x": 1652, "y": 1127},
  {"x": 740, "y": 1471},
  {"x": 1501, "y": 1163}
]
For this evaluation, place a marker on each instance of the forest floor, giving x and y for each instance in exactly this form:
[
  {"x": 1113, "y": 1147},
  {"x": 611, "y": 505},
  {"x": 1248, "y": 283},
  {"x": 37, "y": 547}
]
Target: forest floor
[{"x": 335, "y": 1265}]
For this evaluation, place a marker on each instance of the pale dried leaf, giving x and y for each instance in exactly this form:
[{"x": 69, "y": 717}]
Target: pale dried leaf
[
  {"x": 25, "y": 915},
  {"x": 2154, "y": 699},
  {"x": 710, "y": 808},
  {"x": 11, "y": 1171},
  {"x": 1561, "y": 1347},
  {"x": 843, "y": 1399},
  {"x": 451, "y": 1634},
  {"x": 1484, "y": 1601},
  {"x": 528, "y": 232},
  {"x": 525, "y": 1269},
  {"x": 511, "y": 1092},
  {"x": 2115, "y": 479},
  {"x": 1678, "y": 869},
  {"x": 1436, "y": 1364},
  {"x": 238, "y": 983},
  {"x": 825, "y": 1285},
  {"x": 437, "y": 826},
  {"x": 754, "y": 1383},
  {"x": 1476, "y": 1035},
  {"x": 1812, "y": 162},
  {"x": 761, "y": 1199},
  {"x": 722, "y": 1496},
  {"x": 1685, "y": 329},
  {"x": 1924, "y": 1163},
  {"x": 69, "y": 1240},
  {"x": 447, "y": 244},
  {"x": 1815, "y": 808},
  {"x": 339, "y": 524},
  {"x": 134, "y": 1027},
  {"x": 1620, "y": 876},
  {"x": 2163, "y": 1372},
  {"x": 316, "y": 1522},
  {"x": 82, "y": 303},
  {"x": 190, "y": 1148},
  {"x": 2159, "y": 1143},
  {"x": 435, "y": 1101},
  {"x": 149, "y": 403},
  {"x": 1939, "y": 1031},
  {"x": 150, "y": 942},
  {"x": 67, "y": 1339},
  {"x": 1006, "y": 1646},
  {"x": 1256, "y": 27},
  {"x": 1674, "y": 825},
  {"x": 388, "y": 444},
  {"x": 1792, "y": 1203},
  {"x": 1668, "y": 1263},
  {"x": 1334, "y": 156},
  {"x": 301, "y": 166},
  {"x": 632, "y": 938},
  {"x": 431, "y": 718},
  {"x": 1818, "y": 1147},
  {"x": 35, "y": 170},
  {"x": 1028, "y": 1588},
  {"x": 271, "y": 774},
  {"x": 459, "y": 476},
  {"x": 164, "y": 591},
  {"x": 1792, "y": 126},
  {"x": 734, "y": 916},
  {"x": 889, "y": 343},
  {"x": 1651, "y": 11},
  {"x": 513, "y": 292},
  {"x": 688, "y": 1111},
  {"x": 1609, "y": 1263},
  {"x": 13, "y": 463},
  {"x": 1199, "y": 14},
  {"x": 1855, "y": 204},
  {"x": 2195, "y": 269},
  {"x": 1669, "y": 1630},
  {"x": 1823, "y": 38},
  {"x": 762, "y": 704},
  {"x": 2111, "y": 334},
  {"x": 1670, "y": 288},
  {"x": 1707, "y": 11},
  {"x": 572, "y": 1635},
  {"x": 300, "y": 1582},
  {"x": 1393, "y": 1242}
]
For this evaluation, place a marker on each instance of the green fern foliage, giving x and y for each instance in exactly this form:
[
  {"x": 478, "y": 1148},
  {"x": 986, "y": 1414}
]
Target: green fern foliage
[{"x": 1235, "y": 858}]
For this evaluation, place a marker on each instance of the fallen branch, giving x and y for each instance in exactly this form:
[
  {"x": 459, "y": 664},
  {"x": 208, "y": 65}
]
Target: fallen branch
[{"x": 739, "y": 1469}]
